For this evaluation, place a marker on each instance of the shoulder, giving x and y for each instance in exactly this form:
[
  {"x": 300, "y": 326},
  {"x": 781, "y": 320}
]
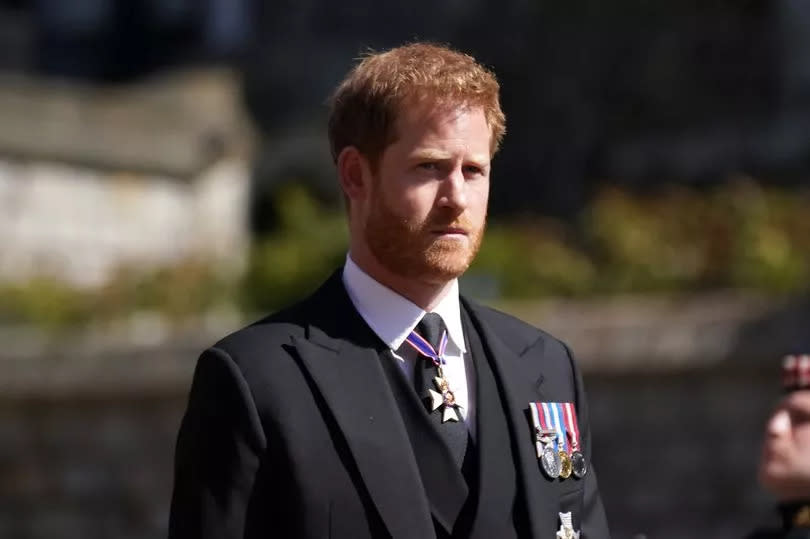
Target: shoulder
[
  {"x": 520, "y": 335},
  {"x": 266, "y": 341},
  {"x": 272, "y": 330},
  {"x": 280, "y": 328}
]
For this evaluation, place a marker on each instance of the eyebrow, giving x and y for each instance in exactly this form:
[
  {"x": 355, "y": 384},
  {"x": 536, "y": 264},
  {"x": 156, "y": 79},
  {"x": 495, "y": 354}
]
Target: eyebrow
[{"x": 438, "y": 155}]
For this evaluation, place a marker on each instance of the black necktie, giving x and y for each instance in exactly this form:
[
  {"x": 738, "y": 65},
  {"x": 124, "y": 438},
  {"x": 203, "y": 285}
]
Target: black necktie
[{"x": 431, "y": 328}]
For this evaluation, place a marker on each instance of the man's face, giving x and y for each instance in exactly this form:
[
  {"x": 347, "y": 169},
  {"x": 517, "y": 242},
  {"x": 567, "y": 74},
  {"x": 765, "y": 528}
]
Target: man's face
[
  {"x": 785, "y": 464},
  {"x": 427, "y": 207}
]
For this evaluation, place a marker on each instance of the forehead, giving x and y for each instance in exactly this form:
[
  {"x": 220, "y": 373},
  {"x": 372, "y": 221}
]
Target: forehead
[
  {"x": 427, "y": 125},
  {"x": 415, "y": 116}
]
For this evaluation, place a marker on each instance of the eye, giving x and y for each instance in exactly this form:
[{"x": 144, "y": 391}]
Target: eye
[
  {"x": 799, "y": 416},
  {"x": 473, "y": 170},
  {"x": 429, "y": 165}
]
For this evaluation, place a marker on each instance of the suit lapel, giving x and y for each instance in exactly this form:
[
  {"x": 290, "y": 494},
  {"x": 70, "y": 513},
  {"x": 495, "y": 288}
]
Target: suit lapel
[
  {"x": 518, "y": 386},
  {"x": 341, "y": 356}
]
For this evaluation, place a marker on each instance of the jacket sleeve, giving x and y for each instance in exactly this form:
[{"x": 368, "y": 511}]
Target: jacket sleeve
[
  {"x": 594, "y": 522},
  {"x": 218, "y": 453}
]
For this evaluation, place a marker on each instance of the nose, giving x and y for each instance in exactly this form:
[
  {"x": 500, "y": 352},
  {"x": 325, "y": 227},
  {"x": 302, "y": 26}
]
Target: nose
[
  {"x": 453, "y": 191},
  {"x": 779, "y": 423}
]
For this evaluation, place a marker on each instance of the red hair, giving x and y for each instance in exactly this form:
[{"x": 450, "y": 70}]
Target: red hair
[{"x": 364, "y": 106}]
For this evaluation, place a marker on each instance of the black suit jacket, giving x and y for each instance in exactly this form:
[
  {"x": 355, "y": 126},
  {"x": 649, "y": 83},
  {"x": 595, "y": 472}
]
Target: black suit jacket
[{"x": 292, "y": 430}]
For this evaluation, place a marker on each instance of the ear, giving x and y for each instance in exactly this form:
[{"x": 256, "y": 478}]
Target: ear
[{"x": 354, "y": 173}]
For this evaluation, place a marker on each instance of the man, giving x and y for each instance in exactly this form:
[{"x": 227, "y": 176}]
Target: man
[
  {"x": 386, "y": 405},
  {"x": 785, "y": 463}
]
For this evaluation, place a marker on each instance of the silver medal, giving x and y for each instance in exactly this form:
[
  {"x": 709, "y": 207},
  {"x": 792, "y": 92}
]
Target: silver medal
[
  {"x": 578, "y": 465},
  {"x": 550, "y": 461}
]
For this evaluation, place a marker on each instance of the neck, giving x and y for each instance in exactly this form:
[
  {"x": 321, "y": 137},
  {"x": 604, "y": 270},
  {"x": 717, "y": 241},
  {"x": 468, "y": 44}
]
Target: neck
[{"x": 423, "y": 293}]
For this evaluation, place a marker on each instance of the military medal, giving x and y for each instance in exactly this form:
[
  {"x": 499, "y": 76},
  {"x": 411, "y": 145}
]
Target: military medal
[
  {"x": 443, "y": 398},
  {"x": 551, "y": 462},
  {"x": 579, "y": 466},
  {"x": 567, "y": 530},
  {"x": 545, "y": 442},
  {"x": 565, "y": 465},
  {"x": 556, "y": 413}
]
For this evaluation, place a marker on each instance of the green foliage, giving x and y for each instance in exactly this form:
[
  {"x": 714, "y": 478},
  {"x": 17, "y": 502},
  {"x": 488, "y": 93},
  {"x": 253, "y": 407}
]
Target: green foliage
[
  {"x": 737, "y": 236},
  {"x": 772, "y": 239},
  {"x": 285, "y": 266},
  {"x": 180, "y": 291},
  {"x": 44, "y": 302},
  {"x": 651, "y": 243},
  {"x": 530, "y": 260}
]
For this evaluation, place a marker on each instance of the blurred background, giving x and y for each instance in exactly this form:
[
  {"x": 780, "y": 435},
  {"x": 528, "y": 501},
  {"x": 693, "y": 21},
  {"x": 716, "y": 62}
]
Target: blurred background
[{"x": 165, "y": 178}]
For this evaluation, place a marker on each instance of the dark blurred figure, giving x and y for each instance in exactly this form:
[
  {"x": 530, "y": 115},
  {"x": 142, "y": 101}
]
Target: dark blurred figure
[{"x": 784, "y": 468}]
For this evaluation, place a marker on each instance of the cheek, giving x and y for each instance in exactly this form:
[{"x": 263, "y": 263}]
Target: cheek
[
  {"x": 416, "y": 202},
  {"x": 478, "y": 198},
  {"x": 405, "y": 192},
  {"x": 801, "y": 437}
]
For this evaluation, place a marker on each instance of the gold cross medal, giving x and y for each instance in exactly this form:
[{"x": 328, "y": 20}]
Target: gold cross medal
[{"x": 444, "y": 397}]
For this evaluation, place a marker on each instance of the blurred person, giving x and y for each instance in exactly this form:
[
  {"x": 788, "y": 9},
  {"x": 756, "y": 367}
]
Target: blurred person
[
  {"x": 784, "y": 468},
  {"x": 386, "y": 404}
]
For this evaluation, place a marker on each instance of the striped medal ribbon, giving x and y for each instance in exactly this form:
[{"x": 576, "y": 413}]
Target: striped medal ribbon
[{"x": 579, "y": 466}]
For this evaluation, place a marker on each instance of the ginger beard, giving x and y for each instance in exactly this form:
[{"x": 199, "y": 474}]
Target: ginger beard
[{"x": 409, "y": 248}]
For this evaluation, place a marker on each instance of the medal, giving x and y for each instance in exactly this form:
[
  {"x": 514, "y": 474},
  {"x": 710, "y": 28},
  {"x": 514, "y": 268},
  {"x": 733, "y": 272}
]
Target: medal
[
  {"x": 556, "y": 414},
  {"x": 542, "y": 435},
  {"x": 443, "y": 398},
  {"x": 567, "y": 530},
  {"x": 550, "y": 461},
  {"x": 549, "y": 418},
  {"x": 565, "y": 465},
  {"x": 579, "y": 466},
  {"x": 544, "y": 439}
]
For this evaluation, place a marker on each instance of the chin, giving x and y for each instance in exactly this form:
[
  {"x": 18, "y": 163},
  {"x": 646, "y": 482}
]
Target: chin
[
  {"x": 446, "y": 267},
  {"x": 774, "y": 475}
]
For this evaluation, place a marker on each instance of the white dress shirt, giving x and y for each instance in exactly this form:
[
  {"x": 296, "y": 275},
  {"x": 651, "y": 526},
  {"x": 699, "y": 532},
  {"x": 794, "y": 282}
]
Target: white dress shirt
[{"x": 393, "y": 318}]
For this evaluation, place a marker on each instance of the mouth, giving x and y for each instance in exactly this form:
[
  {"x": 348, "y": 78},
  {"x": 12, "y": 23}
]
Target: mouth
[
  {"x": 772, "y": 453},
  {"x": 451, "y": 231}
]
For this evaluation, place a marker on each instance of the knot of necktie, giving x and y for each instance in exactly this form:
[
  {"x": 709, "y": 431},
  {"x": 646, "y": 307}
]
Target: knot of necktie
[{"x": 431, "y": 328}]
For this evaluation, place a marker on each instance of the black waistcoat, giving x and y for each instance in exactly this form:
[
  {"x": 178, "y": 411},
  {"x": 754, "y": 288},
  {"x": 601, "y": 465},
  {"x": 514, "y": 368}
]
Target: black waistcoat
[{"x": 481, "y": 500}]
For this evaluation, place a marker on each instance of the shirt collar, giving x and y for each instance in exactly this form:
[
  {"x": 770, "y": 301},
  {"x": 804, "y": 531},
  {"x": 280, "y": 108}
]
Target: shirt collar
[{"x": 393, "y": 317}]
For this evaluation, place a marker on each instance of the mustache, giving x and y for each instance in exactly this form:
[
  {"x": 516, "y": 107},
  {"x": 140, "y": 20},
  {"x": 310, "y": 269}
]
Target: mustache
[{"x": 459, "y": 221}]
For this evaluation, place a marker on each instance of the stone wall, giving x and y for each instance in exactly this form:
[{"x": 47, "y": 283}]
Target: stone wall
[
  {"x": 94, "y": 178},
  {"x": 80, "y": 225}
]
